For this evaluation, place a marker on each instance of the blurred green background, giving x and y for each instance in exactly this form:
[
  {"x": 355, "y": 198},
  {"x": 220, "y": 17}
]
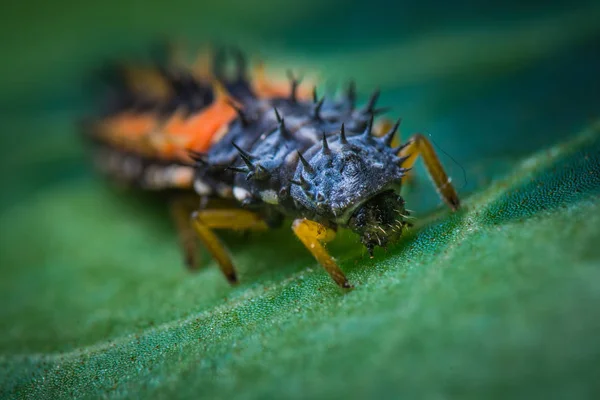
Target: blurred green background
[{"x": 499, "y": 300}]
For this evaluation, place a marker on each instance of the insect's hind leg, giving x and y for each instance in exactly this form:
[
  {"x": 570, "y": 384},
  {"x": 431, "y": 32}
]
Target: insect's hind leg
[
  {"x": 180, "y": 208},
  {"x": 419, "y": 145},
  {"x": 204, "y": 221}
]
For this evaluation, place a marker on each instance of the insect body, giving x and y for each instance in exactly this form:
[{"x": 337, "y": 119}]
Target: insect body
[{"x": 323, "y": 163}]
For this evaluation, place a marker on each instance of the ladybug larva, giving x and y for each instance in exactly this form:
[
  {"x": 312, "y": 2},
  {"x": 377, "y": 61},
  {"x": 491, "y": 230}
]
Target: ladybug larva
[{"x": 263, "y": 153}]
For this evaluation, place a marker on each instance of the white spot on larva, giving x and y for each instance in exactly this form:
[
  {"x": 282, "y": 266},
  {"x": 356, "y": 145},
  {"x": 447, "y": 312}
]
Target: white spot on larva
[
  {"x": 269, "y": 196},
  {"x": 240, "y": 194},
  {"x": 181, "y": 176},
  {"x": 202, "y": 188},
  {"x": 224, "y": 191},
  {"x": 154, "y": 177}
]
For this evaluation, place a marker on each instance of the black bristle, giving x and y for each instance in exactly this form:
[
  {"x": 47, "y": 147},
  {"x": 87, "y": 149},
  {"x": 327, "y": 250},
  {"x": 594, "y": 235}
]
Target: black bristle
[
  {"x": 325, "y": 145},
  {"x": 302, "y": 183},
  {"x": 317, "y": 109},
  {"x": 370, "y": 106},
  {"x": 282, "y": 129},
  {"x": 219, "y": 63},
  {"x": 369, "y": 128},
  {"x": 246, "y": 157},
  {"x": 241, "y": 63},
  {"x": 389, "y": 137},
  {"x": 343, "y": 139},
  {"x": 293, "y": 86},
  {"x": 397, "y": 150},
  {"x": 351, "y": 94},
  {"x": 402, "y": 160},
  {"x": 380, "y": 110},
  {"x": 238, "y": 169},
  {"x": 241, "y": 115},
  {"x": 307, "y": 167},
  {"x": 277, "y": 115},
  {"x": 259, "y": 173}
]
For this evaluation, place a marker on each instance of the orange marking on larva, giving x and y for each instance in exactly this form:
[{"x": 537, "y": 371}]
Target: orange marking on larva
[
  {"x": 131, "y": 125},
  {"x": 202, "y": 128},
  {"x": 182, "y": 133},
  {"x": 127, "y": 130}
]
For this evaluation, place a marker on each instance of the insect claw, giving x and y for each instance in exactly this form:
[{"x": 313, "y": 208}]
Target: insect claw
[{"x": 370, "y": 250}]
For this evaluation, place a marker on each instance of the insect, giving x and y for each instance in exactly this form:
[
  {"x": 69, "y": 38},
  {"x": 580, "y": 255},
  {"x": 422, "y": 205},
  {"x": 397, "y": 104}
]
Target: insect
[{"x": 267, "y": 152}]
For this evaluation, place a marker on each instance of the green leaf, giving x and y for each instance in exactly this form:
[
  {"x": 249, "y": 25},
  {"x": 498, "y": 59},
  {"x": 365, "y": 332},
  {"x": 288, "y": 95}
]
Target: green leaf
[{"x": 498, "y": 300}]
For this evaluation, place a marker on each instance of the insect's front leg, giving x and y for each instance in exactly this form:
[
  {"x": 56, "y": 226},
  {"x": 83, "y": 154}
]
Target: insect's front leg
[
  {"x": 313, "y": 235},
  {"x": 419, "y": 145},
  {"x": 204, "y": 221}
]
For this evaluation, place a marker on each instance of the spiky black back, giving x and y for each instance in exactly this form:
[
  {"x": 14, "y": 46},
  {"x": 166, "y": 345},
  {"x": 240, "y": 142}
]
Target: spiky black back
[
  {"x": 316, "y": 159},
  {"x": 187, "y": 93}
]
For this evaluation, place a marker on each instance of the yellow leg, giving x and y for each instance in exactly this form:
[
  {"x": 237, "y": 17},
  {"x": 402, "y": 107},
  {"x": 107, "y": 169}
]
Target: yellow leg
[
  {"x": 313, "y": 235},
  {"x": 180, "y": 212},
  {"x": 204, "y": 221},
  {"x": 419, "y": 145}
]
